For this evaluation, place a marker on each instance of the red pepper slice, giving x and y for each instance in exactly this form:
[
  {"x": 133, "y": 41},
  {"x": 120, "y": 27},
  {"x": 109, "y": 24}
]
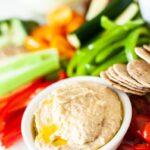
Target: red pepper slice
[
  {"x": 137, "y": 124},
  {"x": 11, "y": 114},
  {"x": 146, "y": 132},
  {"x": 9, "y": 139},
  {"x": 62, "y": 75},
  {"x": 21, "y": 96},
  {"x": 20, "y": 91},
  {"x": 23, "y": 102},
  {"x": 126, "y": 147},
  {"x": 13, "y": 118},
  {"x": 12, "y": 129},
  {"x": 142, "y": 147}
]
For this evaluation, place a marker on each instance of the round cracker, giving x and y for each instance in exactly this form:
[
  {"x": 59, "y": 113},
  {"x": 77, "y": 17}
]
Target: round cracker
[
  {"x": 142, "y": 53},
  {"x": 117, "y": 86},
  {"x": 121, "y": 70},
  {"x": 146, "y": 47},
  {"x": 114, "y": 77},
  {"x": 124, "y": 84},
  {"x": 140, "y": 71}
]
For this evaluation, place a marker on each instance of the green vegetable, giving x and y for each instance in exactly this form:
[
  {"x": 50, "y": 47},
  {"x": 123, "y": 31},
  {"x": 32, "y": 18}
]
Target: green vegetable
[
  {"x": 97, "y": 47},
  {"x": 34, "y": 66},
  {"x": 109, "y": 51},
  {"x": 92, "y": 27},
  {"x": 119, "y": 58},
  {"x": 29, "y": 25},
  {"x": 22, "y": 60},
  {"x": 14, "y": 31},
  {"x": 107, "y": 24},
  {"x": 5, "y": 34},
  {"x": 17, "y": 32},
  {"x": 130, "y": 12},
  {"x": 132, "y": 40},
  {"x": 143, "y": 40}
]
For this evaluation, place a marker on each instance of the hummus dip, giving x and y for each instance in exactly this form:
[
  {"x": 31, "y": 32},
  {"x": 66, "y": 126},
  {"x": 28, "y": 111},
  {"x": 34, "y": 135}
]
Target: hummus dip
[{"x": 78, "y": 116}]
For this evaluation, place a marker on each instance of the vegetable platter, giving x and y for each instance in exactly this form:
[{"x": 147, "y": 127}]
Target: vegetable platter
[{"x": 34, "y": 56}]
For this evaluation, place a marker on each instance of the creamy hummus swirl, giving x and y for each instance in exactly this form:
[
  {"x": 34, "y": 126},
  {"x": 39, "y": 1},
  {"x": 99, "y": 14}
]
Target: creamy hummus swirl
[{"x": 87, "y": 115}]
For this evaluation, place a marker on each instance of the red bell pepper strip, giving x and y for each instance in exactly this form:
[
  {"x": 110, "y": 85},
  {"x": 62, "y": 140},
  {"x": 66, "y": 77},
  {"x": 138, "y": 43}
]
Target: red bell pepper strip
[
  {"x": 20, "y": 91},
  {"x": 20, "y": 104},
  {"x": 18, "y": 97},
  {"x": 62, "y": 75},
  {"x": 146, "y": 132},
  {"x": 142, "y": 147},
  {"x": 11, "y": 114},
  {"x": 12, "y": 128}
]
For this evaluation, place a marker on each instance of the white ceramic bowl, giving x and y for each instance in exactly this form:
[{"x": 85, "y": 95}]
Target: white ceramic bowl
[{"x": 28, "y": 115}]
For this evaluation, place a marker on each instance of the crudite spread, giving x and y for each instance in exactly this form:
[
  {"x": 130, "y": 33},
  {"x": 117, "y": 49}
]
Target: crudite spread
[{"x": 78, "y": 116}]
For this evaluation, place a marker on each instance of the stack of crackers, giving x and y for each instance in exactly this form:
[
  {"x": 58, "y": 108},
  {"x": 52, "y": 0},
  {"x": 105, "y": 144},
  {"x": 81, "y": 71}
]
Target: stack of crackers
[{"x": 133, "y": 78}]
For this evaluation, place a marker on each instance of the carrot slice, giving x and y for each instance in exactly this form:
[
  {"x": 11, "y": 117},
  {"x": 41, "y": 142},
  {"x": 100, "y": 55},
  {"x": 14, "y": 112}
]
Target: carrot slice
[
  {"x": 61, "y": 16},
  {"x": 47, "y": 32},
  {"x": 64, "y": 48},
  {"x": 32, "y": 44},
  {"x": 75, "y": 23}
]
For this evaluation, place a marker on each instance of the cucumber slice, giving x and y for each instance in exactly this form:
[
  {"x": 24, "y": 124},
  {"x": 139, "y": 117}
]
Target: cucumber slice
[
  {"x": 92, "y": 27},
  {"x": 128, "y": 14}
]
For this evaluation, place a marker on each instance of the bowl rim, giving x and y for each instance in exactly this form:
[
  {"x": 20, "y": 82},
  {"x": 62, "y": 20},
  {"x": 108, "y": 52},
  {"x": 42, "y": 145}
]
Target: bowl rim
[{"x": 26, "y": 128}]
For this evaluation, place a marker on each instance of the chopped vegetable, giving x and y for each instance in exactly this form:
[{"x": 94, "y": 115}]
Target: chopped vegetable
[
  {"x": 32, "y": 66},
  {"x": 60, "y": 22},
  {"x": 100, "y": 49},
  {"x": 92, "y": 27},
  {"x": 142, "y": 147},
  {"x": 14, "y": 108},
  {"x": 146, "y": 132},
  {"x": 131, "y": 42},
  {"x": 141, "y": 117},
  {"x": 96, "y": 6},
  {"x": 64, "y": 47},
  {"x": 46, "y": 33},
  {"x": 110, "y": 51},
  {"x": 119, "y": 58},
  {"x": 34, "y": 44},
  {"x": 129, "y": 13},
  {"x": 14, "y": 31},
  {"x": 61, "y": 16},
  {"x": 76, "y": 22}
]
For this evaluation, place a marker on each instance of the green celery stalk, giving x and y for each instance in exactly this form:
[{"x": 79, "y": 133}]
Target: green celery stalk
[
  {"x": 22, "y": 60},
  {"x": 119, "y": 58},
  {"x": 12, "y": 79}
]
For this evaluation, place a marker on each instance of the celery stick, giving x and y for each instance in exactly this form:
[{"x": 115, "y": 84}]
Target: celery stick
[
  {"x": 21, "y": 60},
  {"x": 13, "y": 79}
]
